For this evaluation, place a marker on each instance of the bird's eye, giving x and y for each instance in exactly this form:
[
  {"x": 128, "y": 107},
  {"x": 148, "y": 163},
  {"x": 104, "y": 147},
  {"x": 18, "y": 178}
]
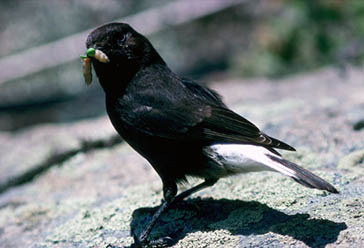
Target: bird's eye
[{"x": 122, "y": 40}]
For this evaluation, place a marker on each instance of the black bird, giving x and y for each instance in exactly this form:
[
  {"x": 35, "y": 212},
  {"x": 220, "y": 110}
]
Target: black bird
[{"x": 182, "y": 128}]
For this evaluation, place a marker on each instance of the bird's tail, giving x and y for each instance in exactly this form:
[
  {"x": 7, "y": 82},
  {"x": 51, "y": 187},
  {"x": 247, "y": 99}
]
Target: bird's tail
[
  {"x": 303, "y": 176},
  {"x": 237, "y": 158}
]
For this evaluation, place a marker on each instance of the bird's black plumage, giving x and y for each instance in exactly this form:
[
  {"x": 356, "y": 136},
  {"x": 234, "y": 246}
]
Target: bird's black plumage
[{"x": 168, "y": 119}]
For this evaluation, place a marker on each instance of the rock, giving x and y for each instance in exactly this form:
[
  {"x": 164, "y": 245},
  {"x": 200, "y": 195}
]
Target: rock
[
  {"x": 29, "y": 152},
  {"x": 353, "y": 164},
  {"x": 98, "y": 189}
]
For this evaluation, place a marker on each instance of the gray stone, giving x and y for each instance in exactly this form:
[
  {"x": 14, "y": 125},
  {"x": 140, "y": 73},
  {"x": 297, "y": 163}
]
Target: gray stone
[{"x": 97, "y": 192}]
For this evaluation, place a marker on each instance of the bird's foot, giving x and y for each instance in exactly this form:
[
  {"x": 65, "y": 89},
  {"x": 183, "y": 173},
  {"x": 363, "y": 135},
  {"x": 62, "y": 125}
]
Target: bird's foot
[
  {"x": 161, "y": 242},
  {"x": 144, "y": 242}
]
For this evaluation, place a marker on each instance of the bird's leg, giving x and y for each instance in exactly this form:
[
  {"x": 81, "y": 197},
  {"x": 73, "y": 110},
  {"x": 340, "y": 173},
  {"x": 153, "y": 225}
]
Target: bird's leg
[
  {"x": 207, "y": 183},
  {"x": 169, "y": 194}
]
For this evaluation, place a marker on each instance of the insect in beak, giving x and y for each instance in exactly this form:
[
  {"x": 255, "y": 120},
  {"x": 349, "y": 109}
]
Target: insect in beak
[{"x": 86, "y": 62}]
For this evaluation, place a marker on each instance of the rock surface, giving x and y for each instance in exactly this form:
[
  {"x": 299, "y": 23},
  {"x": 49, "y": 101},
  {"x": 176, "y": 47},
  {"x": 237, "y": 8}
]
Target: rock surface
[{"x": 78, "y": 185}]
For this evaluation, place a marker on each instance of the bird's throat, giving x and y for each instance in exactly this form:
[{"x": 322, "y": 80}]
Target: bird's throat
[{"x": 114, "y": 78}]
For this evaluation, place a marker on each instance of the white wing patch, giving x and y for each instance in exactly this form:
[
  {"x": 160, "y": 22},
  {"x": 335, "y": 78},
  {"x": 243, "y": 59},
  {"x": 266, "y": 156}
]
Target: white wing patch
[{"x": 245, "y": 158}]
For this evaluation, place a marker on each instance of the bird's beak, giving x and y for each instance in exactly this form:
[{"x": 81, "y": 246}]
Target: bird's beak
[{"x": 86, "y": 62}]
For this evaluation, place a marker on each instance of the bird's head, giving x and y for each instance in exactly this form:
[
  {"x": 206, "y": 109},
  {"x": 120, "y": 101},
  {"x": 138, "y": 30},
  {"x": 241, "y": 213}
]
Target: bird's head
[{"x": 123, "y": 52}]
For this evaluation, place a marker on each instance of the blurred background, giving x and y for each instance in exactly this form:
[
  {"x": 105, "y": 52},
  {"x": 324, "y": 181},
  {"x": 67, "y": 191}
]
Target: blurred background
[{"x": 208, "y": 40}]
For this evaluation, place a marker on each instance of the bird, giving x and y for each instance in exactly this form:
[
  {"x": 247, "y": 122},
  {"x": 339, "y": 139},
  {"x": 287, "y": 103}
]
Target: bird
[{"x": 182, "y": 128}]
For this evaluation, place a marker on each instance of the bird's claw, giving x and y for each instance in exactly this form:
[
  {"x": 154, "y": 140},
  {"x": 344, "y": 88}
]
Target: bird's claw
[
  {"x": 146, "y": 243},
  {"x": 161, "y": 242}
]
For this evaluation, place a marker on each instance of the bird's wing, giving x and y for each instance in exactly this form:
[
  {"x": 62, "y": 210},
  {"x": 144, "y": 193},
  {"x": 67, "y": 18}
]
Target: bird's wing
[
  {"x": 227, "y": 126},
  {"x": 206, "y": 123}
]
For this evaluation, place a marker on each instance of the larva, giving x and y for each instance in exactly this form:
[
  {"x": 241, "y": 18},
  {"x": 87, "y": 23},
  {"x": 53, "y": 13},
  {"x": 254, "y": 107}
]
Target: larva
[
  {"x": 97, "y": 54},
  {"x": 87, "y": 74},
  {"x": 86, "y": 62}
]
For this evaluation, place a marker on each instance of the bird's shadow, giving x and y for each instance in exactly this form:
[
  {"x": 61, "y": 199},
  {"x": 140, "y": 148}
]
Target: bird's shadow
[{"x": 239, "y": 218}]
